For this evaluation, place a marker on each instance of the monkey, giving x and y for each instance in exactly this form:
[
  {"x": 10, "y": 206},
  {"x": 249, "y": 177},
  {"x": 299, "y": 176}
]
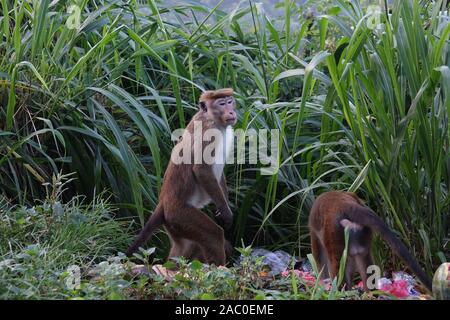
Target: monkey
[
  {"x": 188, "y": 186},
  {"x": 330, "y": 214}
]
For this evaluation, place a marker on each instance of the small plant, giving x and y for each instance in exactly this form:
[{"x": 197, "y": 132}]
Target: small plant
[
  {"x": 38, "y": 244},
  {"x": 55, "y": 188}
]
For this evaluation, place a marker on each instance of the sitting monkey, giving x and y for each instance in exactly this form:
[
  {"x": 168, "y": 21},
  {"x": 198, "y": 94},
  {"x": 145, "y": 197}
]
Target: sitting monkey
[{"x": 188, "y": 187}]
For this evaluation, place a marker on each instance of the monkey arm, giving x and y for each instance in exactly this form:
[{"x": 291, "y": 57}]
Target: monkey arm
[
  {"x": 205, "y": 176},
  {"x": 228, "y": 233},
  {"x": 223, "y": 185}
]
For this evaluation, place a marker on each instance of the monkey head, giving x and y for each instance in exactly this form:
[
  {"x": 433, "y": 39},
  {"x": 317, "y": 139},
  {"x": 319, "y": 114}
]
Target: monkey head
[{"x": 220, "y": 106}]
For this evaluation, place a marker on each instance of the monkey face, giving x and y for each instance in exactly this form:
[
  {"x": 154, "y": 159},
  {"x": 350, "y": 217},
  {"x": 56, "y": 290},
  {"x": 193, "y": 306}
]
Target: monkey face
[
  {"x": 219, "y": 106},
  {"x": 223, "y": 111}
]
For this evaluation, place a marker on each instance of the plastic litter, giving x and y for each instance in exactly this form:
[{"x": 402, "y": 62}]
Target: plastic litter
[
  {"x": 277, "y": 261},
  {"x": 402, "y": 284}
]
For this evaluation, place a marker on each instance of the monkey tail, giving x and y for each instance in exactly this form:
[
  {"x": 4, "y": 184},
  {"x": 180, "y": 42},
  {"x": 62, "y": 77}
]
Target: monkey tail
[
  {"x": 154, "y": 222},
  {"x": 367, "y": 217}
]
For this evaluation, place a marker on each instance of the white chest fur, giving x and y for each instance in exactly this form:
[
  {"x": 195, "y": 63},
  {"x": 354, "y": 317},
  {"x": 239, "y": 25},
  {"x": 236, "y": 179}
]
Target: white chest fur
[
  {"x": 222, "y": 151},
  {"x": 222, "y": 148}
]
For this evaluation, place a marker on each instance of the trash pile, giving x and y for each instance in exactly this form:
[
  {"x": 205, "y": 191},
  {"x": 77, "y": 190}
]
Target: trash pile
[
  {"x": 401, "y": 285},
  {"x": 278, "y": 265}
]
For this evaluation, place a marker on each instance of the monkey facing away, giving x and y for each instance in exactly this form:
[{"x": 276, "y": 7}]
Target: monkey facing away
[
  {"x": 194, "y": 182},
  {"x": 330, "y": 214}
]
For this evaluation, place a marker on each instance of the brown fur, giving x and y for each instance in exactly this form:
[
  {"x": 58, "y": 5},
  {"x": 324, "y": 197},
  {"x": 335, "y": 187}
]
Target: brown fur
[
  {"x": 215, "y": 94},
  {"x": 193, "y": 234},
  {"x": 329, "y": 214}
]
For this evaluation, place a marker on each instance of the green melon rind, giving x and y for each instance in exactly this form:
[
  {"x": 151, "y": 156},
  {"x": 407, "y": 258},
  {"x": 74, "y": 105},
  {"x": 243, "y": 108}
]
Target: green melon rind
[{"x": 441, "y": 282}]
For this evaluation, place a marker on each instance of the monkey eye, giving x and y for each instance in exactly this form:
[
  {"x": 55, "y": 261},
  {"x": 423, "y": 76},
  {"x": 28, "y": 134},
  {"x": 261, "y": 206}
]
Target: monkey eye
[{"x": 221, "y": 103}]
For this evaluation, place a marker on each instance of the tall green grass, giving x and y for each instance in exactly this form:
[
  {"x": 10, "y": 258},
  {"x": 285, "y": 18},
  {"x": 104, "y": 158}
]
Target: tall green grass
[{"x": 358, "y": 108}]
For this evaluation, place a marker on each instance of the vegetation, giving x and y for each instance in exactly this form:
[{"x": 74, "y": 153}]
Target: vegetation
[
  {"x": 360, "y": 106},
  {"x": 43, "y": 245}
]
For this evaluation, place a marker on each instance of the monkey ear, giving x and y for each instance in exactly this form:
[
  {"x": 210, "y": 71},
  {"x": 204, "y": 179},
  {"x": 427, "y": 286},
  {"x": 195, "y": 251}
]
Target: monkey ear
[{"x": 202, "y": 105}]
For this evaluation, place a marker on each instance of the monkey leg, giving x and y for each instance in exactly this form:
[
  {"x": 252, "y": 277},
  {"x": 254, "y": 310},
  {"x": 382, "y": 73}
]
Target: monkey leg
[
  {"x": 334, "y": 248},
  {"x": 228, "y": 247},
  {"x": 176, "y": 246},
  {"x": 196, "y": 252},
  {"x": 349, "y": 272},
  {"x": 319, "y": 254},
  {"x": 333, "y": 264},
  {"x": 333, "y": 267},
  {"x": 362, "y": 262},
  {"x": 192, "y": 224},
  {"x": 179, "y": 248},
  {"x": 182, "y": 247}
]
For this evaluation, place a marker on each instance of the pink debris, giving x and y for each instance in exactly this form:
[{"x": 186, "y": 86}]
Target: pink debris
[
  {"x": 400, "y": 286},
  {"x": 397, "y": 288},
  {"x": 286, "y": 273},
  {"x": 307, "y": 277}
]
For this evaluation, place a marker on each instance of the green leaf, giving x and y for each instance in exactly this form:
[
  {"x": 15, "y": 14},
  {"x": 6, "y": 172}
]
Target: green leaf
[
  {"x": 196, "y": 265},
  {"x": 289, "y": 73},
  {"x": 207, "y": 296},
  {"x": 170, "y": 265},
  {"x": 360, "y": 178}
]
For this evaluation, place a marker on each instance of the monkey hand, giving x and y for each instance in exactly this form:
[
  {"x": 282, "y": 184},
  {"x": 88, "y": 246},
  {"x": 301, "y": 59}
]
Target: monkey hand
[{"x": 225, "y": 217}]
